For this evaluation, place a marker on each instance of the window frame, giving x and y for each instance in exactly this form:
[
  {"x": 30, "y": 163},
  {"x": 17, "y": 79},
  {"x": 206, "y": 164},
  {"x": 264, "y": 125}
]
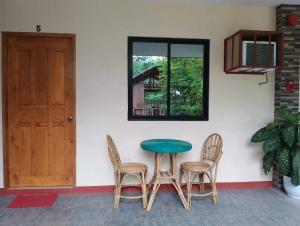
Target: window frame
[{"x": 169, "y": 41}]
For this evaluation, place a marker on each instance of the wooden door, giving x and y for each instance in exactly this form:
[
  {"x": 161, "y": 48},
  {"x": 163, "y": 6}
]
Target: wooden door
[{"x": 39, "y": 105}]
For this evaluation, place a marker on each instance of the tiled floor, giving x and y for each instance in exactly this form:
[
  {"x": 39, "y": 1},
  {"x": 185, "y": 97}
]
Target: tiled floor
[{"x": 236, "y": 207}]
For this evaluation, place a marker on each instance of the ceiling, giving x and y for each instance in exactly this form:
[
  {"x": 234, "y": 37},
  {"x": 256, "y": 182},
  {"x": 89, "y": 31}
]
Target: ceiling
[{"x": 246, "y": 2}]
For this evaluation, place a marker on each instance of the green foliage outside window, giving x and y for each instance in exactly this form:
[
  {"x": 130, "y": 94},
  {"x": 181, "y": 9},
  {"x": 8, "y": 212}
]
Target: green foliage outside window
[
  {"x": 186, "y": 83},
  {"x": 186, "y": 86}
]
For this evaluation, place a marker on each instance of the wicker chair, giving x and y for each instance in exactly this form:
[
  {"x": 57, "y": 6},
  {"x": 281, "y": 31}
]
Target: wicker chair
[
  {"x": 123, "y": 170},
  {"x": 211, "y": 154}
]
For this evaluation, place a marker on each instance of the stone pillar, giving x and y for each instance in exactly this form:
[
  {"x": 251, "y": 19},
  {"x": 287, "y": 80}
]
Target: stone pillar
[{"x": 291, "y": 64}]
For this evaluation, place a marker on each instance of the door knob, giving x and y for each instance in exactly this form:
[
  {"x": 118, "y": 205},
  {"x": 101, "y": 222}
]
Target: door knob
[{"x": 70, "y": 119}]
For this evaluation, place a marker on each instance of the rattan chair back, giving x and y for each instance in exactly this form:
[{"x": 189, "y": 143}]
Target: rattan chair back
[
  {"x": 212, "y": 149},
  {"x": 113, "y": 153}
]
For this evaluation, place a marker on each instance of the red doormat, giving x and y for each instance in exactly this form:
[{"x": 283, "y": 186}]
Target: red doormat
[{"x": 27, "y": 201}]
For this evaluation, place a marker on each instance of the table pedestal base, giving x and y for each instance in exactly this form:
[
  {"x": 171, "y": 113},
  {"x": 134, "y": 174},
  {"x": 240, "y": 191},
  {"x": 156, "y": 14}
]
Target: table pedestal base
[{"x": 168, "y": 174}]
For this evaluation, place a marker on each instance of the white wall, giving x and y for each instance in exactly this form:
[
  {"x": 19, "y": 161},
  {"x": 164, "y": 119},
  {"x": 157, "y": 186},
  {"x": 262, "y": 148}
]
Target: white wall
[{"x": 238, "y": 105}]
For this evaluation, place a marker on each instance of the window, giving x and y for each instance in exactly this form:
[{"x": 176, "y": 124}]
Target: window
[{"x": 168, "y": 79}]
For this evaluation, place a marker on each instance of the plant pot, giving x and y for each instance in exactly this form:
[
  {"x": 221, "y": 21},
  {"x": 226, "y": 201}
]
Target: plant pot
[{"x": 291, "y": 190}]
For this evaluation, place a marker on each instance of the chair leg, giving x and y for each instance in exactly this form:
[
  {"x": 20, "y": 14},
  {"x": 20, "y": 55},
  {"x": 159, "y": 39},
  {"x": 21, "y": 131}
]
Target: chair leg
[
  {"x": 214, "y": 189},
  {"x": 215, "y": 198},
  {"x": 144, "y": 189},
  {"x": 180, "y": 177},
  {"x": 117, "y": 189},
  {"x": 145, "y": 177},
  {"x": 215, "y": 194},
  {"x": 201, "y": 182},
  {"x": 189, "y": 189}
]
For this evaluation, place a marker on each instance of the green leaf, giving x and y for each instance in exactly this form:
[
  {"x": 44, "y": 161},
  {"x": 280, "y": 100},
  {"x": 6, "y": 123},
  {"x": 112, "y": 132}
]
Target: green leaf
[
  {"x": 265, "y": 133},
  {"x": 295, "y": 178},
  {"x": 287, "y": 115},
  {"x": 271, "y": 126},
  {"x": 268, "y": 162},
  {"x": 296, "y": 169},
  {"x": 298, "y": 136},
  {"x": 289, "y": 135},
  {"x": 259, "y": 136},
  {"x": 284, "y": 162},
  {"x": 271, "y": 144},
  {"x": 298, "y": 116}
]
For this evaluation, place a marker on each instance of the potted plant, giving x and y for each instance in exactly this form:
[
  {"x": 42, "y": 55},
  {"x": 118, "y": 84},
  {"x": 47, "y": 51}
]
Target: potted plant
[{"x": 281, "y": 147}]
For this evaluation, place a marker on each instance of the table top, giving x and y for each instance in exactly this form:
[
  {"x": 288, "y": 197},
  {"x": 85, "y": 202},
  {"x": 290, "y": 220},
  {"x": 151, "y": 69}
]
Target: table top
[{"x": 169, "y": 146}]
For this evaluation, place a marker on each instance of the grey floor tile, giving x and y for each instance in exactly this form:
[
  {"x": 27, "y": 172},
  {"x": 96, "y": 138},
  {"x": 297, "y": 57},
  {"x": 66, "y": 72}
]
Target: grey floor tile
[{"x": 259, "y": 207}]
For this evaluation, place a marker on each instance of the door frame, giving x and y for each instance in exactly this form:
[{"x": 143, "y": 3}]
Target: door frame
[{"x": 5, "y": 35}]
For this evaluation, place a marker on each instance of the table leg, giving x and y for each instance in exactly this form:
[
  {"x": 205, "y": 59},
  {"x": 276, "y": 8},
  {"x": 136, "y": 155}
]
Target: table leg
[
  {"x": 154, "y": 177},
  {"x": 171, "y": 175},
  {"x": 175, "y": 183},
  {"x": 150, "y": 184},
  {"x": 153, "y": 194},
  {"x": 155, "y": 180}
]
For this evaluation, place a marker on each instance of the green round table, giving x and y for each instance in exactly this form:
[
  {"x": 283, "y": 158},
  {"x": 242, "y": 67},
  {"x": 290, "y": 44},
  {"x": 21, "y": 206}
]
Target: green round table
[
  {"x": 166, "y": 146},
  {"x": 162, "y": 148}
]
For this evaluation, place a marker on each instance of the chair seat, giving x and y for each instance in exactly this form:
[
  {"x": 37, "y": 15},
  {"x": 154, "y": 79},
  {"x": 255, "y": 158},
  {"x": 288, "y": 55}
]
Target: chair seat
[
  {"x": 195, "y": 166},
  {"x": 132, "y": 167}
]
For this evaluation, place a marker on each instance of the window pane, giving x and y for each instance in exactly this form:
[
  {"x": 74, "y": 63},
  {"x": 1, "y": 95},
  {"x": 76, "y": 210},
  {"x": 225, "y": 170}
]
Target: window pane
[
  {"x": 186, "y": 81},
  {"x": 149, "y": 79}
]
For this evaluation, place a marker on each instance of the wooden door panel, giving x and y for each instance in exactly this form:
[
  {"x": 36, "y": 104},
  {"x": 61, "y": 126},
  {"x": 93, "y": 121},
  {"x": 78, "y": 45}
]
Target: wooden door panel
[
  {"x": 58, "y": 114},
  {"x": 41, "y": 150},
  {"x": 24, "y": 116},
  {"x": 40, "y": 97},
  {"x": 58, "y": 156},
  {"x": 57, "y": 73},
  {"x": 39, "y": 114},
  {"x": 24, "y": 83},
  {"x": 23, "y": 155},
  {"x": 40, "y": 78}
]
